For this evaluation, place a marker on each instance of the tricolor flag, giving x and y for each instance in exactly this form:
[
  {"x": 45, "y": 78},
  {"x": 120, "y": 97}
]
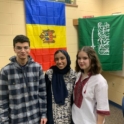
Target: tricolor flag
[
  {"x": 105, "y": 34},
  {"x": 45, "y": 27}
]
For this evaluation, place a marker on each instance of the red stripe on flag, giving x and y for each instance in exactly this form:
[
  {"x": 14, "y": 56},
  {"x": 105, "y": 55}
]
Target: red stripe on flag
[{"x": 44, "y": 57}]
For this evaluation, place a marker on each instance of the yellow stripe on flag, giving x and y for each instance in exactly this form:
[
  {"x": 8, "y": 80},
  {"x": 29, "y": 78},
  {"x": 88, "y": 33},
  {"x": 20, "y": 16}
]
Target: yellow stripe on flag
[{"x": 45, "y": 36}]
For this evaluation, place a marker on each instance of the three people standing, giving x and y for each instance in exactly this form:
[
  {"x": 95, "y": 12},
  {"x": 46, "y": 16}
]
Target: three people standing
[{"x": 27, "y": 97}]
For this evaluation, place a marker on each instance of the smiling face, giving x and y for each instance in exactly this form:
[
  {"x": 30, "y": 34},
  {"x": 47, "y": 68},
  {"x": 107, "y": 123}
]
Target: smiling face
[
  {"x": 22, "y": 51},
  {"x": 84, "y": 61},
  {"x": 60, "y": 60}
]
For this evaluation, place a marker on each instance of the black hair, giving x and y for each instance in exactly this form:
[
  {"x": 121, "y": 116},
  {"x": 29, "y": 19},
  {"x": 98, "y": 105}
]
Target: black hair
[{"x": 20, "y": 39}]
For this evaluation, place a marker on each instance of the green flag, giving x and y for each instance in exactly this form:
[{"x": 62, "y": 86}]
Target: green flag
[{"x": 105, "y": 35}]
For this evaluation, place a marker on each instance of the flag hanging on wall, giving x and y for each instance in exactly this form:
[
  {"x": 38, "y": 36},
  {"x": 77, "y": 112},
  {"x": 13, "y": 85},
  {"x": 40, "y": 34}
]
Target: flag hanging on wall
[
  {"x": 105, "y": 34},
  {"x": 45, "y": 27}
]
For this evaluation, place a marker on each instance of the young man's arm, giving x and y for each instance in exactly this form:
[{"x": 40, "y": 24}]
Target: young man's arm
[
  {"x": 4, "y": 99},
  {"x": 42, "y": 97}
]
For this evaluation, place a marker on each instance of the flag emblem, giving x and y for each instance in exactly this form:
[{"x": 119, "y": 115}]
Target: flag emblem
[
  {"x": 103, "y": 38},
  {"x": 48, "y": 36}
]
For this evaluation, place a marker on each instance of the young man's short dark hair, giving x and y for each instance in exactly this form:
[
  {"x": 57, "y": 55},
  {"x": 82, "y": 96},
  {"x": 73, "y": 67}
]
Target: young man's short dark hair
[{"x": 21, "y": 39}]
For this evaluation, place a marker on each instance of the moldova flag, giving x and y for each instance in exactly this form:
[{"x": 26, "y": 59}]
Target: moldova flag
[{"x": 45, "y": 27}]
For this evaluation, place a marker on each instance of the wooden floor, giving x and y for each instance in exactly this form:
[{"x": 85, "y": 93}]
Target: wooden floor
[{"x": 115, "y": 117}]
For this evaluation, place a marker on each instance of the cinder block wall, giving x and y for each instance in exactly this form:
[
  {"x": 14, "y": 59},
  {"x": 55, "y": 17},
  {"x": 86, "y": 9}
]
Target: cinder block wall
[
  {"x": 12, "y": 22},
  {"x": 115, "y": 82},
  {"x": 85, "y": 7}
]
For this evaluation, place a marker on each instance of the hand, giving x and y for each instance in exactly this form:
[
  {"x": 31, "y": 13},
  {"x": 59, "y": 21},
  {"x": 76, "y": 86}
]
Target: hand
[{"x": 43, "y": 121}]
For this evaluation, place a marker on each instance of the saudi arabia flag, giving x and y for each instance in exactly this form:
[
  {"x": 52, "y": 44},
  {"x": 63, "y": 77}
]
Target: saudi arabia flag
[{"x": 105, "y": 34}]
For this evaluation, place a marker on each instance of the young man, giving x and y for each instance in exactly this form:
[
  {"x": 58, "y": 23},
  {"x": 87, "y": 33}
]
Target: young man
[{"x": 22, "y": 88}]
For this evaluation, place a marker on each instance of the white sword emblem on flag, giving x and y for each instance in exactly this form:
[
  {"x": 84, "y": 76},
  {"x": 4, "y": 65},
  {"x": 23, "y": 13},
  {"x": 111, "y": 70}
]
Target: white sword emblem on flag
[{"x": 93, "y": 46}]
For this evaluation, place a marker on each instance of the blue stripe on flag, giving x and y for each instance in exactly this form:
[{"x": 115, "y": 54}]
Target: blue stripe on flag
[{"x": 44, "y": 12}]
